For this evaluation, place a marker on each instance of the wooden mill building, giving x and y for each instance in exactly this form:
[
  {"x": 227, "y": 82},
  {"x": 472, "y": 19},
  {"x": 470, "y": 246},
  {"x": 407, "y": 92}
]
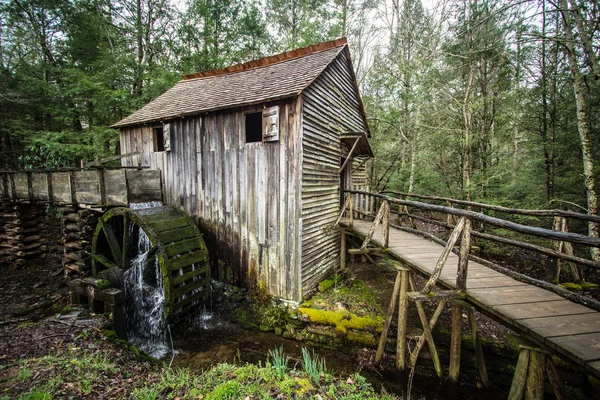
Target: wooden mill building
[{"x": 254, "y": 153}]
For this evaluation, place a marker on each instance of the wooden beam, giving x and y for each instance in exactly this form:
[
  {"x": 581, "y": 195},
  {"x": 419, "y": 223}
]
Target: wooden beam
[
  {"x": 437, "y": 270},
  {"x": 388, "y": 319},
  {"x": 402, "y": 319},
  {"x": 455, "y": 343},
  {"x": 349, "y": 157},
  {"x": 101, "y": 161}
]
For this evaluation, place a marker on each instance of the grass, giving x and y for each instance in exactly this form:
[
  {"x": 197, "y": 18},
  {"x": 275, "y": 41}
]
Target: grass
[
  {"x": 279, "y": 361},
  {"x": 314, "y": 366},
  {"x": 88, "y": 372}
]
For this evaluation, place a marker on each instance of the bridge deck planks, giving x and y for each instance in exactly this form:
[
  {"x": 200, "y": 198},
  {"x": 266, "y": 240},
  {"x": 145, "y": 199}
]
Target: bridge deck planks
[{"x": 571, "y": 329}]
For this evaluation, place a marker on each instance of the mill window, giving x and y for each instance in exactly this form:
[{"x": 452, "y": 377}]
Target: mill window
[
  {"x": 159, "y": 138},
  {"x": 254, "y": 127}
]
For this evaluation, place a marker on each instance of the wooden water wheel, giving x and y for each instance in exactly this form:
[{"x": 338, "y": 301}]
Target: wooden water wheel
[{"x": 176, "y": 243}]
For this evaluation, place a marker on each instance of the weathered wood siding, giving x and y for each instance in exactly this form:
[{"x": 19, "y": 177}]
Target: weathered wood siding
[
  {"x": 244, "y": 197},
  {"x": 331, "y": 107}
]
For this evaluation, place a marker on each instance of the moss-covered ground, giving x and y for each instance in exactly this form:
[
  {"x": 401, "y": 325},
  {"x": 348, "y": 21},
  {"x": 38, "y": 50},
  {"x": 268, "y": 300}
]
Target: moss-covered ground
[{"x": 350, "y": 295}]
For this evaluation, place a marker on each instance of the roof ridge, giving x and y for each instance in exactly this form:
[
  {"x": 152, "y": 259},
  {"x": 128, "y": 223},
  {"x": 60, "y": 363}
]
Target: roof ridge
[{"x": 269, "y": 60}]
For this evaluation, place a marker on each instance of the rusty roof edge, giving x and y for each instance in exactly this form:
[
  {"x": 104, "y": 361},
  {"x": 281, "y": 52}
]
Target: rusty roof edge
[
  {"x": 269, "y": 60},
  {"x": 118, "y": 125}
]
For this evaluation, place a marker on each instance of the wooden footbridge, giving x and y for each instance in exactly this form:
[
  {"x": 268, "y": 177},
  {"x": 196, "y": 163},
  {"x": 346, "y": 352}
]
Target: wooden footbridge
[{"x": 552, "y": 319}]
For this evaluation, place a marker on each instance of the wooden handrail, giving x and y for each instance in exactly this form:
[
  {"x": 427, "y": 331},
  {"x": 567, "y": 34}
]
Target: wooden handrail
[
  {"x": 528, "y": 230},
  {"x": 518, "y": 211},
  {"x": 510, "y": 242}
]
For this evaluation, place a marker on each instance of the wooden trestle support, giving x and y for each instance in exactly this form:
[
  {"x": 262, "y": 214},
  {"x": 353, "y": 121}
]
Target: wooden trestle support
[{"x": 533, "y": 364}]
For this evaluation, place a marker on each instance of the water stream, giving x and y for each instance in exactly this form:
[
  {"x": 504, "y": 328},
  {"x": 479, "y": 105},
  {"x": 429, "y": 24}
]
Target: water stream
[
  {"x": 211, "y": 340},
  {"x": 144, "y": 300}
]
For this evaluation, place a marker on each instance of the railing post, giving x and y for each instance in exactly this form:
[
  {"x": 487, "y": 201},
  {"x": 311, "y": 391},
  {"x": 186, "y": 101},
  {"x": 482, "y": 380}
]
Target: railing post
[
  {"x": 351, "y": 206},
  {"x": 463, "y": 258},
  {"x": 385, "y": 225}
]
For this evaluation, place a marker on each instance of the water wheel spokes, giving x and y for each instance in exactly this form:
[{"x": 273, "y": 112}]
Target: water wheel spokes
[{"x": 170, "y": 240}]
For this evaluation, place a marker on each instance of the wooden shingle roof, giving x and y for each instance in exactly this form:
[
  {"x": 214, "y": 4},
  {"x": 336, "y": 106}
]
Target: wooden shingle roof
[{"x": 276, "y": 77}]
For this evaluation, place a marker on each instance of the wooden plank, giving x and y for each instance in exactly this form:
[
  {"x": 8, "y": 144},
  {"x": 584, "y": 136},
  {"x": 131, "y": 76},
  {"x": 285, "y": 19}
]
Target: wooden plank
[
  {"x": 495, "y": 282},
  {"x": 512, "y": 295},
  {"x": 87, "y": 187},
  {"x": 564, "y": 325},
  {"x": 593, "y": 367},
  {"x": 39, "y": 186},
  {"x": 115, "y": 187},
  {"x": 542, "y": 309},
  {"x": 579, "y": 348},
  {"x": 21, "y": 186}
]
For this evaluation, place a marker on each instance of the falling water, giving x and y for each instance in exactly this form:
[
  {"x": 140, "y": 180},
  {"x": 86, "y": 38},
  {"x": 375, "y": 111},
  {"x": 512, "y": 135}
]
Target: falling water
[
  {"x": 145, "y": 205},
  {"x": 145, "y": 300}
]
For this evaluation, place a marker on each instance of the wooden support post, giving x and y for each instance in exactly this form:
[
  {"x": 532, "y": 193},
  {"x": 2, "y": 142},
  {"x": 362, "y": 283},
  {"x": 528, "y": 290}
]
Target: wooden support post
[
  {"x": 478, "y": 349},
  {"x": 455, "y": 342},
  {"x": 388, "y": 318},
  {"x": 429, "y": 338},
  {"x": 463, "y": 261},
  {"x": 555, "y": 382},
  {"x": 520, "y": 378},
  {"x": 402, "y": 318},
  {"x": 449, "y": 216},
  {"x": 534, "y": 388},
  {"x": 343, "y": 251},
  {"x": 351, "y": 206},
  {"x": 385, "y": 225},
  {"x": 421, "y": 341}
]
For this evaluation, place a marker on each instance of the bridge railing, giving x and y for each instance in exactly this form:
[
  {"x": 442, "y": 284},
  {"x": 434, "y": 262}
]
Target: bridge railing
[{"x": 463, "y": 223}]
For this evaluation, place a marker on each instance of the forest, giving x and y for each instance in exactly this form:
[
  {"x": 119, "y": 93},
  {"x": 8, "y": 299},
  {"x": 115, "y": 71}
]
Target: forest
[{"x": 495, "y": 101}]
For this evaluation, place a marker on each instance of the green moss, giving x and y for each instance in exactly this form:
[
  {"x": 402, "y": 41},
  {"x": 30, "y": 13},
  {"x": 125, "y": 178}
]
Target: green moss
[
  {"x": 594, "y": 382},
  {"x": 342, "y": 320},
  {"x": 243, "y": 316},
  {"x": 102, "y": 284},
  {"x": 304, "y": 385},
  {"x": 361, "y": 337},
  {"x": 112, "y": 335},
  {"x": 578, "y": 287},
  {"x": 327, "y": 283}
]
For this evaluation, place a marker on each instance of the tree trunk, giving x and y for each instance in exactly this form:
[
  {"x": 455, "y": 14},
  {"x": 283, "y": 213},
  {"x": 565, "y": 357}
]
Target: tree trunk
[{"x": 583, "y": 127}]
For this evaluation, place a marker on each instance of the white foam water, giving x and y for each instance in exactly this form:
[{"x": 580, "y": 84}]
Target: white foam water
[{"x": 145, "y": 301}]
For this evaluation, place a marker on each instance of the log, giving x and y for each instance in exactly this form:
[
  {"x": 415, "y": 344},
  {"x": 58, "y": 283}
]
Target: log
[
  {"x": 388, "y": 319},
  {"x": 554, "y": 379},
  {"x": 475, "y": 216},
  {"x": 437, "y": 270},
  {"x": 402, "y": 319},
  {"x": 455, "y": 343},
  {"x": 429, "y": 338},
  {"x": 520, "y": 377},
  {"x": 343, "y": 251},
  {"x": 534, "y": 389},
  {"x": 463, "y": 262},
  {"x": 536, "y": 213},
  {"x": 478, "y": 350}
]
